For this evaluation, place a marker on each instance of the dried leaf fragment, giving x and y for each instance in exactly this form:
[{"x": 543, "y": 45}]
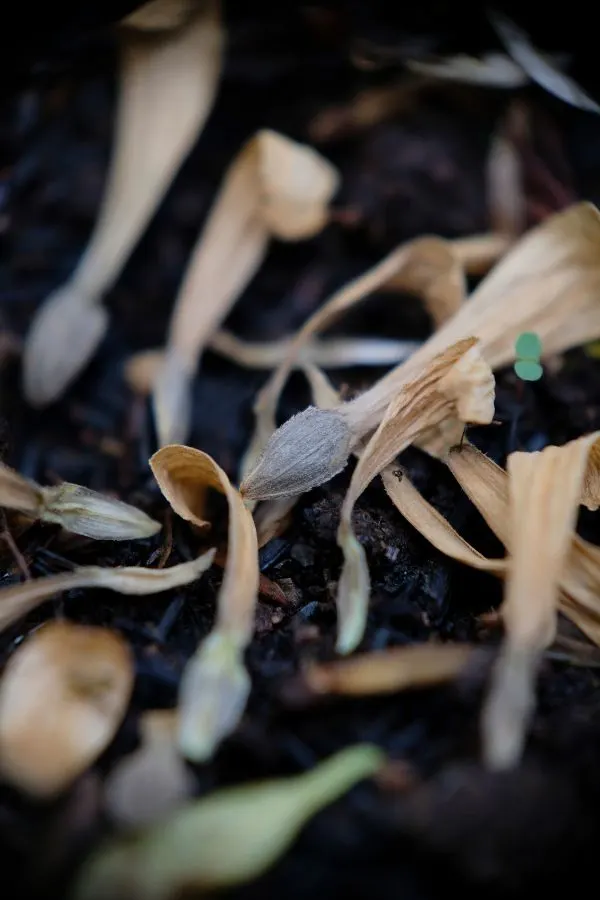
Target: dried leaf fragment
[
  {"x": 275, "y": 187},
  {"x": 486, "y": 484},
  {"x": 153, "y": 780},
  {"x": 18, "y": 600},
  {"x": 413, "y": 267},
  {"x": 544, "y": 493},
  {"x": 432, "y": 525},
  {"x": 76, "y": 508},
  {"x": 63, "y": 695},
  {"x": 459, "y": 380},
  {"x": 228, "y": 838},
  {"x": 388, "y": 671},
  {"x": 548, "y": 283},
  {"x": 215, "y": 685},
  {"x": 168, "y": 84}
]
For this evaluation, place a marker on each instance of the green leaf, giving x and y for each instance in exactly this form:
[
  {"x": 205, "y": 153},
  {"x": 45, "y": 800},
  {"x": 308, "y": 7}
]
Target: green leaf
[
  {"x": 528, "y": 370},
  {"x": 227, "y": 838},
  {"x": 528, "y": 346}
]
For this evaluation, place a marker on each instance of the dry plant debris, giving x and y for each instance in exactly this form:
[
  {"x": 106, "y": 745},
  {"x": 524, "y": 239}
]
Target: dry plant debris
[
  {"x": 66, "y": 688},
  {"x": 532, "y": 508},
  {"x": 168, "y": 84},
  {"x": 63, "y": 695},
  {"x": 459, "y": 381},
  {"x": 545, "y": 489},
  {"x": 429, "y": 267},
  {"x": 225, "y": 839},
  {"x": 215, "y": 684},
  {"x": 387, "y": 671},
  {"x": 153, "y": 780},
  {"x": 275, "y": 187},
  {"x": 75, "y": 508},
  {"x": 548, "y": 283},
  {"x": 18, "y": 600}
]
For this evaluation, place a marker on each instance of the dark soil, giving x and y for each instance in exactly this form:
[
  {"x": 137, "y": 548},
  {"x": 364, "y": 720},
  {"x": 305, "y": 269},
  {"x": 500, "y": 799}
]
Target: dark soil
[{"x": 442, "y": 824}]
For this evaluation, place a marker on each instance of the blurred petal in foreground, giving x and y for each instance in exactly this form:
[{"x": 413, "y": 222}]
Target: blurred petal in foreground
[
  {"x": 63, "y": 695},
  {"x": 167, "y": 87},
  {"x": 225, "y": 839}
]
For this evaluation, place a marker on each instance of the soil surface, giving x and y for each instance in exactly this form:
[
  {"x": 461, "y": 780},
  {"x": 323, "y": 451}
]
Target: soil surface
[{"x": 439, "y": 822}]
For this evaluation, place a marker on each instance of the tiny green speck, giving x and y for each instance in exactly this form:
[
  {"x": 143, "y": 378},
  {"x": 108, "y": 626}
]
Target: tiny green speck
[
  {"x": 528, "y": 370},
  {"x": 528, "y": 346}
]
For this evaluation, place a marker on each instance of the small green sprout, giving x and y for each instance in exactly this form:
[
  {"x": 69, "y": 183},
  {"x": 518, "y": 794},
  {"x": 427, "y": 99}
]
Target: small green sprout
[{"x": 528, "y": 348}]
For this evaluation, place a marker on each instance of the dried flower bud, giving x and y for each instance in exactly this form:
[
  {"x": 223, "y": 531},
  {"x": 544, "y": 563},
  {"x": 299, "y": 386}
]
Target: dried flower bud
[
  {"x": 94, "y": 515},
  {"x": 212, "y": 696},
  {"x": 309, "y": 449}
]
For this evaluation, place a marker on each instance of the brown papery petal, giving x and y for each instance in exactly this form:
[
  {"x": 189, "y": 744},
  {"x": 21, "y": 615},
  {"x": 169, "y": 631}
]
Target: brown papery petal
[
  {"x": 168, "y": 84},
  {"x": 432, "y": 525},
  {"x": 457, "y": 379},
  {"x": 215, "y": 684},
  {"x": 486, "y": 484},
  {"x": 388, "y": 671},
  {"x": 63, "y": 695},
  {"x": 19, "y": 599},
  {"x": 544, "y": 493},
  {"x": 274, "y": 188},
  {"x": 430, "y": 267},
  {"x": 548, "y": 283}
]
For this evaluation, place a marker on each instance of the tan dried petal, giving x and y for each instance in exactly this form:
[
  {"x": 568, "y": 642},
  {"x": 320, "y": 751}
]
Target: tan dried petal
[
  {"x": 168, "y": 84},
  {"x": 275, "y": 187},
  {"x": 63, "y": 695},
  {"x": 215, "y": 685},
  {"x": 428, "y": 521},
  {"x": 388, "y": 671},
  {"x": 141, "y": 368},
  {"x": 19, "y": 599},
  {"x": 548, "y": 283},
  {"x": 419, "y": 406}
]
